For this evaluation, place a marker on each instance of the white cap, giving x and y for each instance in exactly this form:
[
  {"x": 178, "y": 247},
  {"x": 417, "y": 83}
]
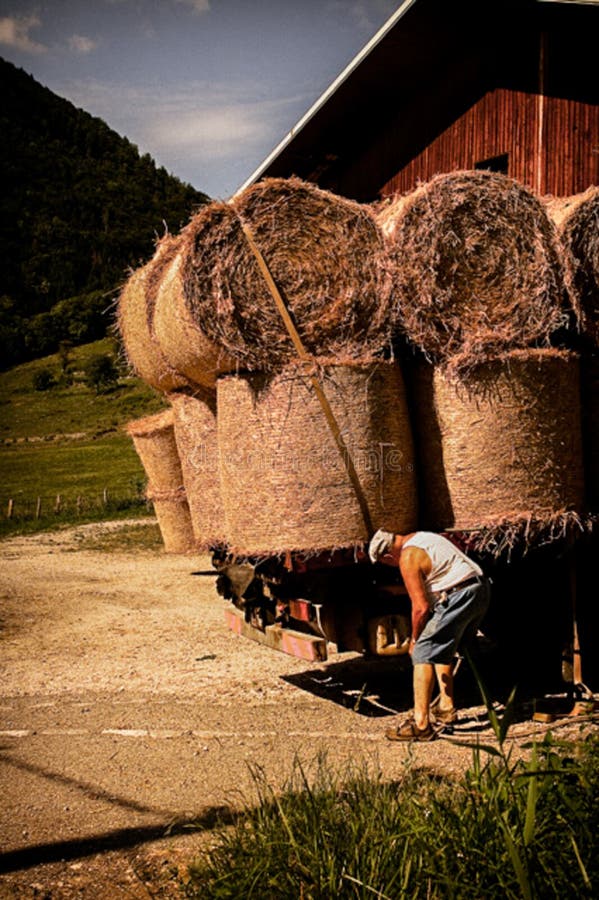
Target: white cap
[{"x": 381, "y": 542}]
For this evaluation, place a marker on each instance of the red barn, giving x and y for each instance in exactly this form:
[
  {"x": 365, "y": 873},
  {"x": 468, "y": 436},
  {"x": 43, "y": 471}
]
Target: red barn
[{"x": 507, "y": 85}]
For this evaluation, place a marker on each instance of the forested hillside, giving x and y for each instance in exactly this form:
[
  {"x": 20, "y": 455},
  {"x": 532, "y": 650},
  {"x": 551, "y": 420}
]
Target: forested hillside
[{"x": 79, "y": 208}]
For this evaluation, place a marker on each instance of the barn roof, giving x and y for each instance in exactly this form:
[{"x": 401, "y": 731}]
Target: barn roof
[{"x": 408, "y": 62}]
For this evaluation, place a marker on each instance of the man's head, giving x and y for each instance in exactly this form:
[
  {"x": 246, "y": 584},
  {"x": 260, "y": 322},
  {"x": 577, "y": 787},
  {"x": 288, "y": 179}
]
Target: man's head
[{"x": 380, "y": 544}]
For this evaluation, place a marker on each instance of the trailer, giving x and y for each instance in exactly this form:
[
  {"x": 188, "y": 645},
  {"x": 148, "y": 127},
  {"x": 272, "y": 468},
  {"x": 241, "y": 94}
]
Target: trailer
[{"x": 310, "y": 605}]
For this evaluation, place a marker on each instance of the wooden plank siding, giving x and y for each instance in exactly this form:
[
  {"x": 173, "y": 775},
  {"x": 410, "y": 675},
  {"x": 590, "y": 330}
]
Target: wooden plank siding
[
  {"x": 552, "y": 144},
  {"x": 570, "y": 147}
]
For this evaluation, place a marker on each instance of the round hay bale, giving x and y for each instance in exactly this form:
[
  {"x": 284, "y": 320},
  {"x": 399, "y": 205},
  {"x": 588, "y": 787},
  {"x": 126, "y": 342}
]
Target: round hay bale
[
  {"x": 590, "y": 429},
  {"x": 284, "y": 481},
  {"x": 503, "y": 445},
  {"x": 195, "y": 433},
  {"x": 327, "y": 257},
  {"x": 154, "y": 441},
  {"x": 577, "y": 220},
  {"x": 183, "y": 343},
  {"x": 174, "y": 520},
  {"x": 476, "y": 268},
  {"x": 133, "y": 323}
]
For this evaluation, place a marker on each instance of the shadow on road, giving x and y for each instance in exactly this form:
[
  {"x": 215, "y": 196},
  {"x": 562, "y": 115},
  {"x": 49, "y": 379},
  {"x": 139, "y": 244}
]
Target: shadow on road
[{"x": 171, "y": 825}]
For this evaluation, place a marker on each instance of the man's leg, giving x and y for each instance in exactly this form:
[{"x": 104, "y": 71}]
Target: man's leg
[
  {"x": 444, "y": 675},
  {"x": 424, "y": 679}
]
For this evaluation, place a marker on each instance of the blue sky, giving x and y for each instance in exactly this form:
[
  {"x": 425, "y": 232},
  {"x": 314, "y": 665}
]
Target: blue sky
[{"x": 206, "y": 87}]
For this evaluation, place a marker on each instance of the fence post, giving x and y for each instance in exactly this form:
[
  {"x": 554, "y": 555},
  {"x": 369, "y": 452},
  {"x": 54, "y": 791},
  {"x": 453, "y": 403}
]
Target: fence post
[
  {"x": 58, "y": 504},
  {"x": 105, "y": 496},
  {"x": 38, "y": 508},
  {"x": 79, "y": 504},
  {"x": 11, "y": 505}
]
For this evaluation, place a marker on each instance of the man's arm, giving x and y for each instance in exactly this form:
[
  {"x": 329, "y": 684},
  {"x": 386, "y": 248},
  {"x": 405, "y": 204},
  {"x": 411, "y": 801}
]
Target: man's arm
[{"x": 414, "y": 565}]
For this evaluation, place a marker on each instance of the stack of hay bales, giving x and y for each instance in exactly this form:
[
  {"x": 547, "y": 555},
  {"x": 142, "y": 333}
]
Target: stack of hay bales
[
  {"x": 285, "y": 483},
  {"x": 180, "y": 341},
  {"x": 154, "y": 440},
  {"x": 577, "y": 221},
  {"x": 481, "y": 291},
  {"x": 184, "y": 370},
  {"x": 468, "y": 268},
  {"x": 210, "y": 314}
]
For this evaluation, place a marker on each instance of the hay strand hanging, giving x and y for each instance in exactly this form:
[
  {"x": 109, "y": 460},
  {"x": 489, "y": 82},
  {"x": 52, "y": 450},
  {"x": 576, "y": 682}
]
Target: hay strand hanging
[
  {"x": 502, "y": 447},
  {"x": 133, "y": 322},
  {"x": 195, "y": 434},
  {"x": 325, "y": 253},
  {"x": 476, "y": 268},
  {"x": 283, "y": 481}
]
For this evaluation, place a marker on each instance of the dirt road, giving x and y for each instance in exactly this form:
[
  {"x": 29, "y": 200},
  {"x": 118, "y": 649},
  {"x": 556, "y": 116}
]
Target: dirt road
[{"x": 129, "y": 711}]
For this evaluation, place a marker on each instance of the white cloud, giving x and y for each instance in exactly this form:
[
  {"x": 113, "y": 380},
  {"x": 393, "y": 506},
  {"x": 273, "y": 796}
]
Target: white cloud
[
  {"x": 197, "y": 6},
  {"x": 213, "y": 135},
  {"x": 14, "y": 32},
  {"x": 81, "y": 44}
]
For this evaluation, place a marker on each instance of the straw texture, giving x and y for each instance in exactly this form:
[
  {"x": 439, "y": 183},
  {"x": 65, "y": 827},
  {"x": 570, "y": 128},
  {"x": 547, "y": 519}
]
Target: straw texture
[
  {"x": 326, "y": 255},
  {"x": 133, "y": 322},
  {"x": 154, "y": 441},
  {"x": 476, "y": 268},
  {"x": 182, "y": 341},
  {"x": 577, "y": 220},
  {"x": 590, "y": 429},
  {"x": 503, "y": 446},
  {"x": 174, "y": 520},
  {"x": 283, "y": 478},
  {"x": 195, "y": 433}
]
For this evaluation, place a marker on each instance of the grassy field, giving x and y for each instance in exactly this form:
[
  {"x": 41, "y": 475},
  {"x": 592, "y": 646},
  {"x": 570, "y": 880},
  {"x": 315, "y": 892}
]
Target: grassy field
[{"x": 68, "y": 443}]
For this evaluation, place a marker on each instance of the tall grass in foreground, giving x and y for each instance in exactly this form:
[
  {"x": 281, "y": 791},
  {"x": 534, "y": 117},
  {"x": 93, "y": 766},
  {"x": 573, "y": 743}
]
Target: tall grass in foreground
[{"x": 507, "y": 829}]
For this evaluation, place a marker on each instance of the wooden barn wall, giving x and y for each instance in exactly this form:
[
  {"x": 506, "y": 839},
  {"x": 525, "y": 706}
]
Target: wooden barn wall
[
  {"x": 570, "y": 159},
  {"x": 552, "y": 144}
]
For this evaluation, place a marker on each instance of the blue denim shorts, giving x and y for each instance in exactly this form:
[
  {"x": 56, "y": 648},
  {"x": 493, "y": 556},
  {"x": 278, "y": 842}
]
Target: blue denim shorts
[{"x": 461, "y": 610}]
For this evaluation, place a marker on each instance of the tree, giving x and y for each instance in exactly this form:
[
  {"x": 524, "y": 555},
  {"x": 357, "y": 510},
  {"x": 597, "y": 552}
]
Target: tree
[{"x": 101, "y": 373}]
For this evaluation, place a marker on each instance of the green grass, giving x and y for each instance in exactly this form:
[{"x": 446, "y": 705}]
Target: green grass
[
  {"x": 506, "y": 830},
  {"x": 69, "y": 442},
  {"x": 26, "y": 413}
]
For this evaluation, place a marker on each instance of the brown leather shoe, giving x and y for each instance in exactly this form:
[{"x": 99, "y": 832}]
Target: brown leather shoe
[{"x": 409, "y": 731}]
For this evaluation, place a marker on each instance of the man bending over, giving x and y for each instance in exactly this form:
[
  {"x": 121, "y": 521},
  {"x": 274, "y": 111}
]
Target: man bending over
[{"x": 449, "y": 596}]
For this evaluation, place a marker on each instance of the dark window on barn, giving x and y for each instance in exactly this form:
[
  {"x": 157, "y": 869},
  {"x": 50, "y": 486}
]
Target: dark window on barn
[{"x": 494, "y": 163}]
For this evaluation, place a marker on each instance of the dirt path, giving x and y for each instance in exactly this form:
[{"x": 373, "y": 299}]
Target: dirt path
[{"x": 128, "y": 711}]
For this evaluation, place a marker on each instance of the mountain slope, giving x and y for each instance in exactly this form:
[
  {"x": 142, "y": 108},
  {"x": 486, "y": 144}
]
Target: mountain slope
[{"x": 79, "y": 207}]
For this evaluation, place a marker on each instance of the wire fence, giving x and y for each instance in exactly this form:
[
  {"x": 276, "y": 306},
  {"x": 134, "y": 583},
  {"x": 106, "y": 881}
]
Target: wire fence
[{"x": 21, "y": 509}]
